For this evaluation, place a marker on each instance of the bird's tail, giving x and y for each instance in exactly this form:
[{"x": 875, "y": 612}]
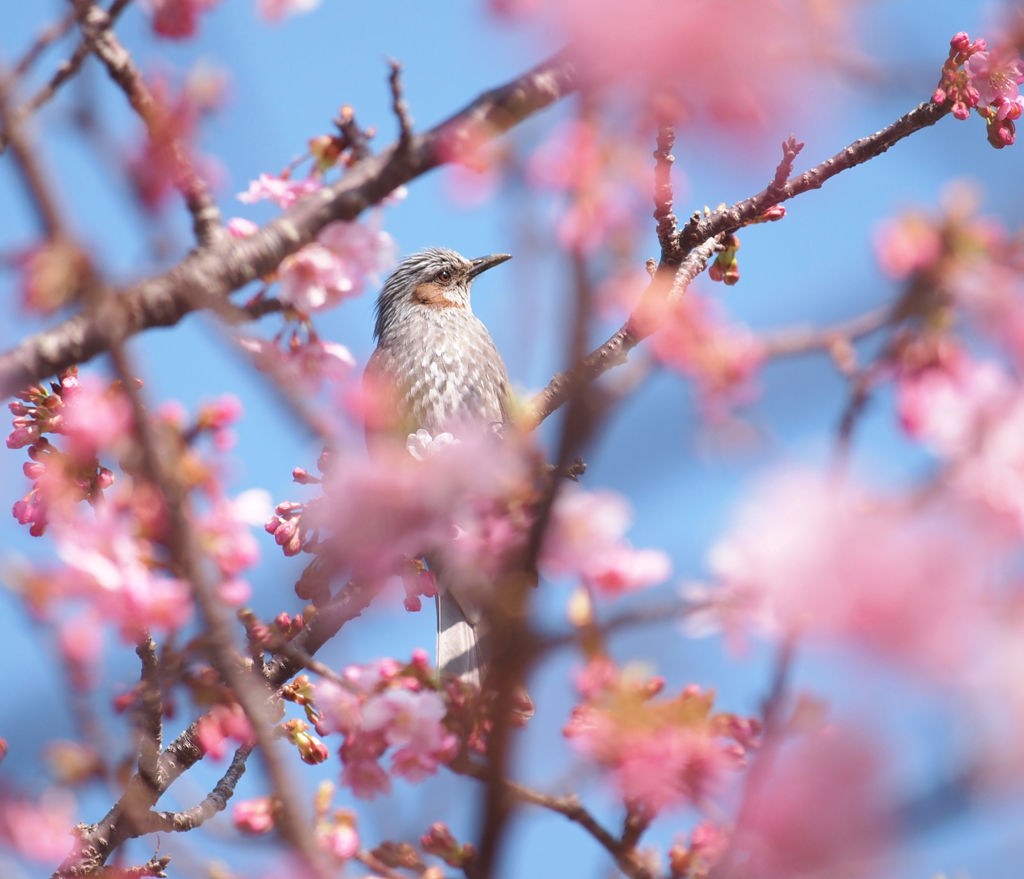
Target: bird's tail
[{"x": 460, "y": 641}]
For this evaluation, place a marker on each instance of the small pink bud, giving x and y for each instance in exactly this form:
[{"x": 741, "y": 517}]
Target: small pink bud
[
  {"x": 303, "y": 478},
  {"x": 18, "y": 408},
  {"x": 294, "y": 546},
  {"x": 104, "y": 478},
  {"x": 285, "y": 531},
  {"x": 413, "y": 604},
  {"x": 961, "y": 111},
  {"x": 960, "y": 42},
  {"x": 272, "y": 525},
  {"x": 979, "y": 45},
  {"x": 939, "y": 97}
]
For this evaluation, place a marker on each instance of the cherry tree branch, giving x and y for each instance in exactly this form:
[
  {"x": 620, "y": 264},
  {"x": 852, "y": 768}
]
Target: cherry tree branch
[
  {"x": 699, "y": 228},
  {"x": 570, "y": 806},
  {"x": 94, "y": 24},
  {"x": 211, "y": 273},
  {"x": 700, "y": 231},
  {"x": 150, "y": 714},
  {"x": 65, "y": 70},
  {"x": 668, "y": 283},
  {"x": 216, "y": 801}
]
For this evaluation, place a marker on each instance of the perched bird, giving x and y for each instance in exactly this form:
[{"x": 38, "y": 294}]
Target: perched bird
[{"x": 438, "y": 370}]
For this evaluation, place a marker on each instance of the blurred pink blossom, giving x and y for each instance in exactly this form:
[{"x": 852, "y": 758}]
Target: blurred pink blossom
[
  {"x": 106, "y": 566},
  {"x": 254, "y": 816},
  {"x": 908, "y": 244},
  {"x": 177, "y": 19},
  {"x": 275, "y": 10},
  {"x": 95, "y": 419},
  {"x": 585, "y": 539},
  {"x": 283, "y": 191},
  {"x": 735, "y": 61},
  {"x": 819, "y": 813},
  {"x": 721, "y": 358},
  {"x": 313, "y": 278},
  {"x": 221, "y": 724},
  {"x": 239, "y": 227},
  {"x": 40, "y": 831},
  {"x": 302, "y": 367},
  {"x": 830, "y": 561}
]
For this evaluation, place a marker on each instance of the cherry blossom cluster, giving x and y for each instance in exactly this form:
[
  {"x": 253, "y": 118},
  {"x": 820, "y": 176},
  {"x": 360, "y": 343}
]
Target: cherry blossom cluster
[
  {"x": 386, "y": 705},
  {"x": 468, "y": 503},
  {"x": 91, "y": 420},
  {"x": 113, "y": 552},
  {"x": 660, "y": 753},
  {"x": 987, "y": 80}
]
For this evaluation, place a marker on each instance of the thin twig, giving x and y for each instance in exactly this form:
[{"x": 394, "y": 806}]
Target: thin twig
[
  {"x": 24, "y": 155},
  {"x": 400, "y": 107},
  {"x": 637, "y": 327},
  {"x": 95, "y": 26},
  {"x": 570, "y": 806},
  {"x": 49, "y": 34},
  {"x": 65, "y": 71},
  {"x": 793, "y": 341},
  {"x": 663, "y": 194},
  {"x": 699, "y": 228}
]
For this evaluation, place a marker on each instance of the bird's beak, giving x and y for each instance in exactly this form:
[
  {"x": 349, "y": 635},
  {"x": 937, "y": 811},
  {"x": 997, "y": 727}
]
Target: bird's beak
[{"x": 483, "y": 263}]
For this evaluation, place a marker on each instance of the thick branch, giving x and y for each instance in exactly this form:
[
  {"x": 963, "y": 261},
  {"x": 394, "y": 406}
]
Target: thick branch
[{"x": 213, "y": 272}]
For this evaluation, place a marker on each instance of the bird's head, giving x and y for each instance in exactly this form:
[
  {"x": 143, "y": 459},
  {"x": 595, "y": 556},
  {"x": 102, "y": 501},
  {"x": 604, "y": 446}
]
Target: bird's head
[{"x": 434, "y": 278}]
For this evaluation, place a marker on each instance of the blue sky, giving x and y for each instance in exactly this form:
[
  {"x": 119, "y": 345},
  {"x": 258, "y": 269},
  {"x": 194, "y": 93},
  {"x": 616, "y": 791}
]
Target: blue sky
[{"x": 817, "y": 266}]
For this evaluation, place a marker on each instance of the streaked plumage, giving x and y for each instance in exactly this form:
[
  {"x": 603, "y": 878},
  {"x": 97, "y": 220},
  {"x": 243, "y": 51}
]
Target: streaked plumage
[{"x": 440, "y": 369}]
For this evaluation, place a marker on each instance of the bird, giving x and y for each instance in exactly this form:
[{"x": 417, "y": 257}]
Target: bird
[{"x": 438, "y": 370}]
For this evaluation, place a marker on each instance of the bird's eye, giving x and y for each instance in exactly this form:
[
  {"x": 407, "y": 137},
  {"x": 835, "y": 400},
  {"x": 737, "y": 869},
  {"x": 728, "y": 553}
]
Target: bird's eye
[{"x": 444, "y": 275}]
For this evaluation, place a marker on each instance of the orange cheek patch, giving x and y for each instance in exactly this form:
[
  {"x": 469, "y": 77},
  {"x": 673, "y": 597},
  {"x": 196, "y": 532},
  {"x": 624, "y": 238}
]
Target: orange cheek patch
[{"x": 434, "y": 295}]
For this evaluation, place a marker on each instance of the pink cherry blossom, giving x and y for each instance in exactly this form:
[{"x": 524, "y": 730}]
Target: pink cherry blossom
[
  {"x": 239, "y": 227},
  {"x": 394, "y": 507},
  {"x": 340, "y": 709},
  {"x": 254, "y": 817},
  {"x": 314, "y": 278},
  {"x": 177, "y": 19},
  {"x": 221, "y": 724},
  {"x": 831, "y": 561},
  {"x": 283, "y": 191},
  {"x": 229, "y": 540},
  {"x": 367, "y": 250},
  {"x": 302, "y": 367},
  {"x": 669, "y": 765},
  {"x": 408, "y": 720},
  {"x": 996, "y": 75},
  {"x": 339, "y": 838},
  {"x": 95, "y": 419},
  {"x": 585, "y": 538},
  {"x": 105, "y": 565},
  {"x": 769, "y": 54},
  {"x": 366, "y": 778}
]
